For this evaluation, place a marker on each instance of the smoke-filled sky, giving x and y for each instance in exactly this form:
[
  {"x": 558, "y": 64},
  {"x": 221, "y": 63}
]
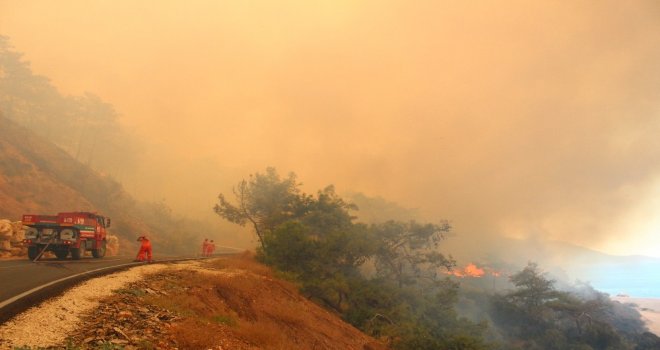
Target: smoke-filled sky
[{"x": 523, "y": 118}]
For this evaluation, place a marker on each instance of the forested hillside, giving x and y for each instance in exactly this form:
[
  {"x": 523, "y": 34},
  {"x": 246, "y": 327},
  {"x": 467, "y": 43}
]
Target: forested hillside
[
  {"x": 65, "y": 153},
  {"x": 84, "y": 126},
  {"x": 39, "y": 177},
  {"x": 396, "y": 281}
]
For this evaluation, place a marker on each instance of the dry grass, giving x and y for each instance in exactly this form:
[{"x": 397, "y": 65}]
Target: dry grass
[
  {"x": 263, "y": 335},
  {"x": 244, "y": 261},
  {"x": 189, "y": 293},
  {"x": 193, "y": 334}
]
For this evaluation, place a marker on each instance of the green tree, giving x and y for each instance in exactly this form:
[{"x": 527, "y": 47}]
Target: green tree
[
  {"x": 314, "y": 240},
  {"x": 408, "y": 252},
  {"x": 533, "y": 288},
  {"x": 537, "y": 316},
  {"x": 264, "y": 200},
  {"x": 325, "y": 213},
  {"x": 321, "y": 247}
]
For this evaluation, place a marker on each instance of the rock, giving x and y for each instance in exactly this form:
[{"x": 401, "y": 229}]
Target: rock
[
  {"x": 19, "y": 232},
  {"x": 11, "y": 238},
  {"x": 6, "y": 230}
]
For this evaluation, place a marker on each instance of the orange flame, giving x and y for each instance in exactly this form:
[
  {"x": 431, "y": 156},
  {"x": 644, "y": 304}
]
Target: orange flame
[{"x": 472, "y": 270}]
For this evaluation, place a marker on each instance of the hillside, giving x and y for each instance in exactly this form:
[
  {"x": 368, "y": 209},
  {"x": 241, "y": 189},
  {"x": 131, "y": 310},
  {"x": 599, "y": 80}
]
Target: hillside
[
  {"x": 31, "y": 175},
  {"x": 38, "y": 177}
]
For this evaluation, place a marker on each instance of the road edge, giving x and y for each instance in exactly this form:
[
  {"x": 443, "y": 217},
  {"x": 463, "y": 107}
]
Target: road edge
[{"x": 17, "y": 304}]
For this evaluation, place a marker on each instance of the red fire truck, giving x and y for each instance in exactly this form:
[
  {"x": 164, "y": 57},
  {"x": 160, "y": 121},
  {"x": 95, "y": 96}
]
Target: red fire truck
[{"x": 65, "y": 233}]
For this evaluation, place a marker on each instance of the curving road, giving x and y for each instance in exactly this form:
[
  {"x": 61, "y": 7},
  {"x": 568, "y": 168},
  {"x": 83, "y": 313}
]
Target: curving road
[
  {"x": 24, "y": 283},
  {"x": 18, "y": 276}
]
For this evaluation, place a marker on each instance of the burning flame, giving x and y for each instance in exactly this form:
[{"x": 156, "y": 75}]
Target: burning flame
[{"x": 472, "y": 270}]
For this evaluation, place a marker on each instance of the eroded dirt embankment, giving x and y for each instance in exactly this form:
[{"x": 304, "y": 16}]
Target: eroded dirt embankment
[{"x": 226, "y": 303}]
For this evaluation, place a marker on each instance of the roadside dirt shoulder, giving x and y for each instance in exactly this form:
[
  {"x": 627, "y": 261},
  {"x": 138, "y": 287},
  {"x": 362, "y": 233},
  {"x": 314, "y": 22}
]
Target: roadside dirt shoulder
[
  {"x": 51, "y": 322},
  {"x": 227, "y": 303}
]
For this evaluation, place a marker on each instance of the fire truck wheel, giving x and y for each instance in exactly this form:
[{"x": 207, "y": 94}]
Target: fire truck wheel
[
  {"x": 100, "y": 252},
  {"x": 61, "y": 254},
  {"x": 33, "y": 252},
  {"x": 77, "y": 253}
]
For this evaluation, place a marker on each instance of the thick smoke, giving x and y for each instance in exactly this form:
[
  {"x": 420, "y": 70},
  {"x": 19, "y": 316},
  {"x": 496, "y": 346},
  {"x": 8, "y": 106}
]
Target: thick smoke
[{"x": 523, "y": 119}]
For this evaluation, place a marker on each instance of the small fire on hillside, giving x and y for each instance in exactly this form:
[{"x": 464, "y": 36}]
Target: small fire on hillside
[{"x": 472, "y": 270}]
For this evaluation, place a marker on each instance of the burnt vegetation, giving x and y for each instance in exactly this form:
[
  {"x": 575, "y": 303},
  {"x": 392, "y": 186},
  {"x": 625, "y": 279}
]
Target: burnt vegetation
[{"x": 390, "y": 279}]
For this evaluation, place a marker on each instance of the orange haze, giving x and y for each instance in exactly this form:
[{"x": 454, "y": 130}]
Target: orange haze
[{"x": 522, "y": 118}]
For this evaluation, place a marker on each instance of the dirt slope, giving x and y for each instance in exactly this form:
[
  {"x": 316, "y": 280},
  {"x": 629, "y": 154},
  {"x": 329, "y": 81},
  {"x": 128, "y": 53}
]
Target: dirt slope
[
  {"x": 40, "y": 178},
  {"x": 229, "y": 303}
]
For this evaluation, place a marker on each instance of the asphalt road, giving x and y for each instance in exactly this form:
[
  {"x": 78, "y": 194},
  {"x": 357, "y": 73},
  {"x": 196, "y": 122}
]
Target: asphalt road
[
  {"x": 24, "y": 283},
  {"x": 18, "y": 276}
]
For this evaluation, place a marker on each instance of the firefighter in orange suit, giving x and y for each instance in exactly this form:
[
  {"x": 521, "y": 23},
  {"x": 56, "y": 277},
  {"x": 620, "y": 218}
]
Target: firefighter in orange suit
[
  {"x": 211, "y": 248},
  {"x": 145, "y": 249},
  {"x": 205, "y": 247}
]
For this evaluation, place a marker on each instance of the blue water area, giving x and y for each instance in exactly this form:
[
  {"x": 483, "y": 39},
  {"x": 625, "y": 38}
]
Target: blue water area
[{"x": 639, "y": 279}]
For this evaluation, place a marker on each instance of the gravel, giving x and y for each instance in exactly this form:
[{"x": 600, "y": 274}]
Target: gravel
[{"x": 52, "y": 321}]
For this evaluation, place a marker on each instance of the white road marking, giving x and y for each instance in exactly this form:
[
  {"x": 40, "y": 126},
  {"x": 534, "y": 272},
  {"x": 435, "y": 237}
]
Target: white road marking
[
  {"x": 14, "y": 298},
  {"x": 19, "y": 296},
  {"x": 9, "y": 267}
]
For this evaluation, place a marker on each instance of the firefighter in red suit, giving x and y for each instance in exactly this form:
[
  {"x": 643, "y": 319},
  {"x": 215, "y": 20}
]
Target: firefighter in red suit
[{"x": 145, "y": 249}]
